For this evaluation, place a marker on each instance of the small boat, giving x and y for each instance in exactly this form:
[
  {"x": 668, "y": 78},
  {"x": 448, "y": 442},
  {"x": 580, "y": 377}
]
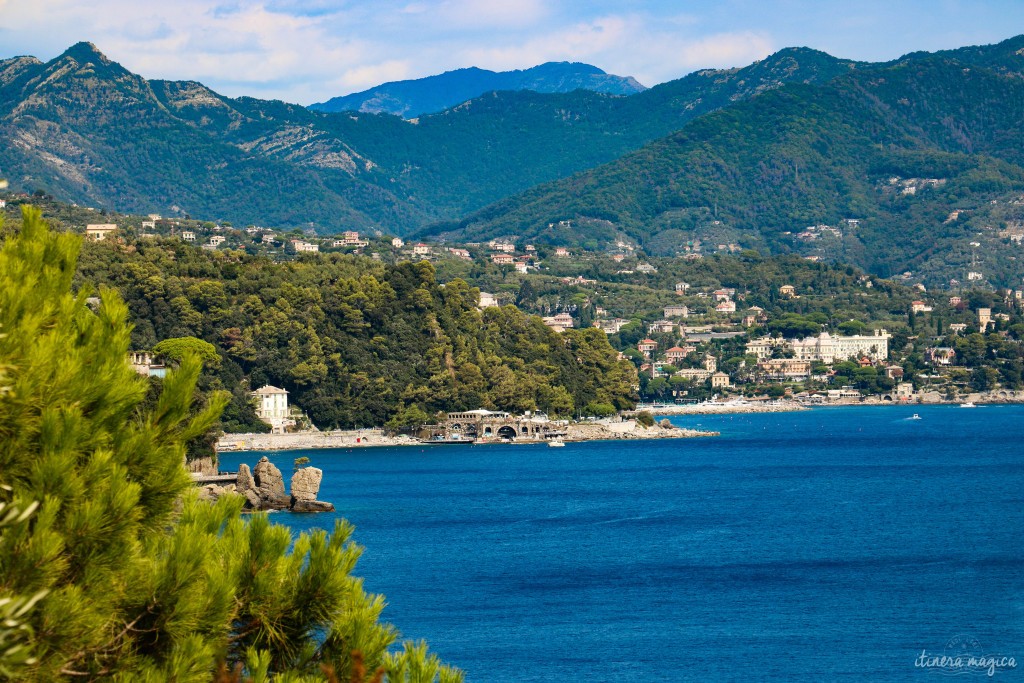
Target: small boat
[
  {"x": 915, "y": 416},
  {"x": 556, "y": 443},
  {"x": 968, "y": 404}
]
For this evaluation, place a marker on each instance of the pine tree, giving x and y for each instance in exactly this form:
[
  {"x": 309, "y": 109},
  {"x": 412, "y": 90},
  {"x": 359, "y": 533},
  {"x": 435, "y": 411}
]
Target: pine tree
[{"x": 121, "y": 573}]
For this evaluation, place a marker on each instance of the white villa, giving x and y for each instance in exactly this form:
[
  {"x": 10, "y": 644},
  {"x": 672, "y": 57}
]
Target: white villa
[
  {"x": 560, "y": 322},
  {"x": 350, "y": 238},
  {"x": 828, "y": 349},
  {"x": 825, "y": 347},
  {"x": 272, "y": 408}
]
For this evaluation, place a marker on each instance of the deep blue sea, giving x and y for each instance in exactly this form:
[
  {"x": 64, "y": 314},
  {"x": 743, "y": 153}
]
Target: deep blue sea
[{"x": 831, "y": 544}]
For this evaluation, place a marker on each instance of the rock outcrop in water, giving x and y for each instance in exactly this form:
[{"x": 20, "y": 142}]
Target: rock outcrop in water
[
  {"x": 263, "y": 489},
  {"x": 270, "y": 486},
  {"x": 305, "y": 486}
]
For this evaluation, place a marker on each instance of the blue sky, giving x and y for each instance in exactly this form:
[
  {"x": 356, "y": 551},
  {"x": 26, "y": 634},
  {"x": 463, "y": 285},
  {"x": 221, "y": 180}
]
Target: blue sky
[{"x": 310, "y": 50}]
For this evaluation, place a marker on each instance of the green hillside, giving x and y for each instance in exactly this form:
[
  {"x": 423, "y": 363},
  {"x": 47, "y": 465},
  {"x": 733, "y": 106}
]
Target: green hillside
[
  {"x": 925, "y": 156},
  {"x": 356, "y": 342}
]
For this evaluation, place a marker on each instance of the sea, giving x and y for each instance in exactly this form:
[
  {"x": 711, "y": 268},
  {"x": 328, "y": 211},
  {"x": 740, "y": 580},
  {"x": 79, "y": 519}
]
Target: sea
[{"x": 854, "y": 543}]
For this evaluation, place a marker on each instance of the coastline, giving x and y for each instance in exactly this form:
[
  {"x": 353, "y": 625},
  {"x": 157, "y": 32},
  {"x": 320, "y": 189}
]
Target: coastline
[
  {"x": 721, "y": 408},
  {"x": 626, "y": 429},
  {"x": 376, "y": 438},
  {"x": 1001, "y": 397}
]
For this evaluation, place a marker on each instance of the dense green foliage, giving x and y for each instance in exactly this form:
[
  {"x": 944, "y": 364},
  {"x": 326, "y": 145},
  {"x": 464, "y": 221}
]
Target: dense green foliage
[
  {"x": 355, "y": 341},
  {"x": 758, "y": 173},
  {"x": 121, "y": 573}
]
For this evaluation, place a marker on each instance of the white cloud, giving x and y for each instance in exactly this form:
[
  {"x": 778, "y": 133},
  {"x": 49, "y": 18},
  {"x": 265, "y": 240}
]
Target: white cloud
[
  {"x": 494, "y": 14},
  {"x": 247, "y": 46},
  {"x": 636, "y": 45},
  {"x": 720, "y": 50},
  {"x": 579, "y": 42},
  {"x": 369, "y": 75}
]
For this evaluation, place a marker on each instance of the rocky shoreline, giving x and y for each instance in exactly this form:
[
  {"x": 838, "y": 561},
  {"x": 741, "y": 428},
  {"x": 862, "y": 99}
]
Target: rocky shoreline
[
  {"x": 597, "y": 431},
  {"x": 723, "y": 408}
]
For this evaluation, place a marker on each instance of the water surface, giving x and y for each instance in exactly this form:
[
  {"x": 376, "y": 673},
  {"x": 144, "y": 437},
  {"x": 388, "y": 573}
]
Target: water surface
[{"x": 832, "y": 544}]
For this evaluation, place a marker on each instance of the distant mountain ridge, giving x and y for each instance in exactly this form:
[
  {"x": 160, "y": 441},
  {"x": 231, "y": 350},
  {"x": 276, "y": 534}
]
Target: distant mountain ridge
[
  {"x": 412, "y": 98},
  {"x": 87, "y": 130}
]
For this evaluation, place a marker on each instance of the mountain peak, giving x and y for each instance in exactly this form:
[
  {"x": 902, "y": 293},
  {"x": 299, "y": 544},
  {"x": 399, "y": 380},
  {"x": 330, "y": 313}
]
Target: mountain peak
[
  {"x": 83, "y": 52},
  {"x": 435, "y": 93},
  {"x": 574, "y": 67}
]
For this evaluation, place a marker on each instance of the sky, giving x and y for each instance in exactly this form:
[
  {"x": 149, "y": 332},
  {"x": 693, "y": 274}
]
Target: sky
[{"x": 306, "y": 51}]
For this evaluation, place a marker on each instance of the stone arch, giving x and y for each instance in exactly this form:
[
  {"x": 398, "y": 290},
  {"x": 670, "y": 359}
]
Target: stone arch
[
  {"x": 507, "y": 432},
  {"x": 487, "y": 431}
]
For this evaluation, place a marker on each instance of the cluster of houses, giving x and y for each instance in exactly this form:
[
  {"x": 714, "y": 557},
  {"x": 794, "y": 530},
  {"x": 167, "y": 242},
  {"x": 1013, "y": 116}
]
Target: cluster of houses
[
  {"x": 350, "y": 239},
  {"x": 500, "y": 252},
  {"x": 724, "y": 303},
  {"x": 941, "y": 356},
  {"x": 503, "y": 253},
  {"x": 669, "y": 363},
  {"x": 777, "y": 359}
]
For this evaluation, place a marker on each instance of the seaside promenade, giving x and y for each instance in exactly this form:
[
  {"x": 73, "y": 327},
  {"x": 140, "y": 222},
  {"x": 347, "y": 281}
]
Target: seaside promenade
[{"x": 363, "y": 438}]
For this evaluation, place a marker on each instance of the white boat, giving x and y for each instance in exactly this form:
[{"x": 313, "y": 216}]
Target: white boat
[
  {"x": 915, "y": 416},
  {"x": 556, "y": 443},
  {"x": 968, "y": 404}
]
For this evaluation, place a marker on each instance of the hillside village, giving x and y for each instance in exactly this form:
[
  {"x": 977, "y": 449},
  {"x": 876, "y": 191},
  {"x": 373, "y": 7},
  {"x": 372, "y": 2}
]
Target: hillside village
[{"x": 694, "y": 341}]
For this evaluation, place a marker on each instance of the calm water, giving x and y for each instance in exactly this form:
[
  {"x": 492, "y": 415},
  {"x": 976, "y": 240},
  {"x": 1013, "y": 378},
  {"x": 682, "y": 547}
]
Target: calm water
[{"x": 822, "y": 545}]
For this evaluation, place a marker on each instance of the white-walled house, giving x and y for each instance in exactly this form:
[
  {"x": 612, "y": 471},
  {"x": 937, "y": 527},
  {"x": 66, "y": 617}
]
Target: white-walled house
[{"x": 272, "y": 408}]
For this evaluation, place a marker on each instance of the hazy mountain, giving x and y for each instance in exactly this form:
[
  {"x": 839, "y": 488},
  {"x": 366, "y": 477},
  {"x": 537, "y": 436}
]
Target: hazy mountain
[{"x": 413, "y": 98}]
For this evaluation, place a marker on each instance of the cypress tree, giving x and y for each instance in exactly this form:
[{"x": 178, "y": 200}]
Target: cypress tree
[{"x": 110, "y": 567}]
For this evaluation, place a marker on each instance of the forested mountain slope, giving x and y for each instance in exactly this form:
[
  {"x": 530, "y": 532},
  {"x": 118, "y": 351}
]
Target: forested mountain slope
[
  {"x": 86, "y": 130},
  {"x": 925, "y": 156}
]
